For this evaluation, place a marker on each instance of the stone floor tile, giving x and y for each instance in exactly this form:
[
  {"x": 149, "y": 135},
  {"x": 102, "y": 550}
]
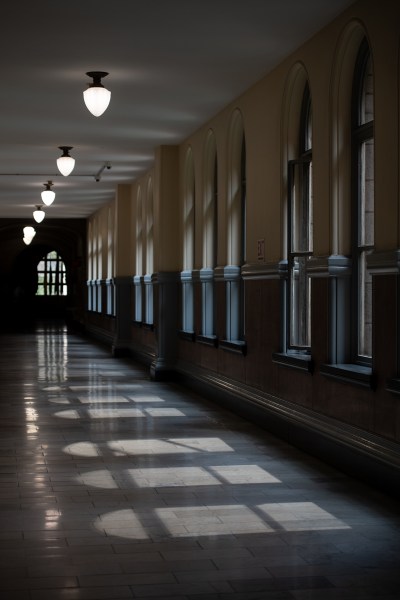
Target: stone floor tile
[{"x": 113, "y": 486}]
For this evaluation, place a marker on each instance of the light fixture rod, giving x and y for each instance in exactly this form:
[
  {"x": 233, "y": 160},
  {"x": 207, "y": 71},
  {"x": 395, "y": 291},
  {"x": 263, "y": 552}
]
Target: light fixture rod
[
  {"x": 96, "y": 76},
  {"x": 107, "y": 165},
  {"x": 65, "y": 150}
]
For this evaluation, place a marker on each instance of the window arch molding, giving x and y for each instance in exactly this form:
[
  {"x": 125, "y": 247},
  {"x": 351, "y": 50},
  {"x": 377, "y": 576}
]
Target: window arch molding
[
  {"x": 345, "y": 59},
  {"x": 350, "y": 296}
]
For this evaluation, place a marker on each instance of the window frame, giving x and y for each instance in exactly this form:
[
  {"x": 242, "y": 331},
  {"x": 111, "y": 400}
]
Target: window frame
[
  {"x": 346, "y": 364},
  {"x": 60, "y": 275},
  {"x": 361, "y": 133},
  {"x": 304, "y": 163}
]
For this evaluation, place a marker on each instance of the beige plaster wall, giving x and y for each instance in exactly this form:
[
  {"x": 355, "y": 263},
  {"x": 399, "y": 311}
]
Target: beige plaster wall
[{"x": 262, "y": 109}]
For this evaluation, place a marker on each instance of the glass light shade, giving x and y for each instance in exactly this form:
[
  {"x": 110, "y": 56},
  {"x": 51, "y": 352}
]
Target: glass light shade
[
  {"x": 48, "y": 197},
  {"x": 65, "y": 165},
  {"x": 29, "y": 234},
  {"x": 39, "y": 215},
  {"x": 97, "y": 99}
]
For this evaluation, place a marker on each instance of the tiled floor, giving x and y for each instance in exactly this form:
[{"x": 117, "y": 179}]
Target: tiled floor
[{"x": 113, "y": 486}]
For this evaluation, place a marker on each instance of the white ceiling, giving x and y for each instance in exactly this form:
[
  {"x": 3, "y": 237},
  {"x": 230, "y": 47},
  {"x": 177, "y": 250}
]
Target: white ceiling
[{"x": 172, "y": 65}]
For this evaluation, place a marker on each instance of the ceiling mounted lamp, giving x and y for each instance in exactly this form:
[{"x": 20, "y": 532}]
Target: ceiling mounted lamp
[
  {"x": 39, "y": 214},
  {"x": 97, "y": 97},
  {"x": 29, "y": 234},
  {"x": 48, "y": 195},
  {"x": 65, "y": 163}
]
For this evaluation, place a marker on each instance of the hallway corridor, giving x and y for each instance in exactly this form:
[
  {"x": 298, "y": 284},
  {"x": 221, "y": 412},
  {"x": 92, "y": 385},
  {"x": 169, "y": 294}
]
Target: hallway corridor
[{"x": 114, "y": 486}]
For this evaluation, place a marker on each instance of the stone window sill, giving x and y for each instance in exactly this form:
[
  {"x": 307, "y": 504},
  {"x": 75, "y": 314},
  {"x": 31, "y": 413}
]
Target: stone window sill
[
  {"x": 300, "y": 361},
  {"x": 350, "y": 373},
  {"x": 187, "y": 335},
  {"x": 235, "y": 346},
  {"x": 208, "y": 340}
]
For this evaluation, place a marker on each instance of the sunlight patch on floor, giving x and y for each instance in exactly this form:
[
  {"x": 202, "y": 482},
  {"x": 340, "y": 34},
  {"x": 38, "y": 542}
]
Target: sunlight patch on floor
[
  {"x": 217, "y": 520},
  {"x": 148, "y": 446}
]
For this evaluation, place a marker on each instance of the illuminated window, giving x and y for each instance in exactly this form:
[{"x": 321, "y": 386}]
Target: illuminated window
[
  {"x": 351, "y": 282},
  {"x": 300, "y": 236},
  {"x": 52, "y": 276},
  {"x": 363, "y": 204}
]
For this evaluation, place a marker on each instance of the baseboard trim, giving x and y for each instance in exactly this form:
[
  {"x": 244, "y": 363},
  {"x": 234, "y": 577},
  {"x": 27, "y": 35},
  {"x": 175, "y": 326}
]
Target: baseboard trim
[{"x": 360, "y": 454}]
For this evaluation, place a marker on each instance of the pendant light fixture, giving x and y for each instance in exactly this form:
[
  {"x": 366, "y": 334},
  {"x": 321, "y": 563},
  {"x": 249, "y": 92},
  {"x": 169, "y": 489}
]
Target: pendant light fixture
[
  {"x": 48, "y": 195},
  {"x": 65, "y": 163},
  {"x": 29, "y": 234},
  {"x": 39, "y": 214},
  {"x": 97, "y": 97}
]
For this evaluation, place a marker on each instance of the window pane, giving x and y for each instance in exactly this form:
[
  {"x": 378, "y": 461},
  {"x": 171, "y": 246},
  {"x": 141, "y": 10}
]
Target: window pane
[
  {"x": 364, "y": 308},
  {"x": 299, "y": 303},
  {"x": 51, "y": 273},
  {"x": 300, "y": 235},
  {"x": 363, "y": 226},
  {"x": 308, "y": 130},
  {"x": 367, "y": 94},
  {"x": 301, "y": 207},
  {"x": 366, "y": 193}
]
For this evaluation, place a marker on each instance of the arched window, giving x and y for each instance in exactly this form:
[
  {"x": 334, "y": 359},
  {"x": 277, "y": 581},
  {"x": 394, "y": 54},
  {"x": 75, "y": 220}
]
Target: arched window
[
  {"x": 52, "y": 276},
  {"x": 297, "y": 222},
  {"x": 362, "y": 204},
  {"x": 350, "y": 286},
  {"x": 300, "y": 234}
]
